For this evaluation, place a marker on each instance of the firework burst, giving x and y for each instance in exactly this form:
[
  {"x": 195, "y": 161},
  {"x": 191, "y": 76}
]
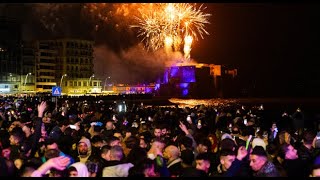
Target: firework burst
[{"x": 170, "y": 25}]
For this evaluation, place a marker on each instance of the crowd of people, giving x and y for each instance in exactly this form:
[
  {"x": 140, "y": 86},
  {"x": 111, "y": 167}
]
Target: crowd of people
[{"x": 96, "y": 138}]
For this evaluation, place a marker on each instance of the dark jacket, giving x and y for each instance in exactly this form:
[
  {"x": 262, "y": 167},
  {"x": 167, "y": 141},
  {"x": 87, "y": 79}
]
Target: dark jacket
[
  {"x": 294, "y": 168},
  {"x": 268, "y": 170}
]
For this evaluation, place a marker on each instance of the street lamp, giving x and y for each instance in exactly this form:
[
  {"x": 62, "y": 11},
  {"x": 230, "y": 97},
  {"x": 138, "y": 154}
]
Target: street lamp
[
  {"x": 65, "y": 75},
  {"x": 105, "y": 82},
  {"x": 25, "y": 80},
  {"x": 92, "y": 76},
  {"x": 90, "y": 79}
]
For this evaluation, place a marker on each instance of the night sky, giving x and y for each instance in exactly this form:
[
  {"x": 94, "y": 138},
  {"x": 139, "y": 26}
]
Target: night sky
[{"x": 274, "y": 46}]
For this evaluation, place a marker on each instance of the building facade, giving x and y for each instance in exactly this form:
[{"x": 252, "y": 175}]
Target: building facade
[{"x": 67, "y": 63}]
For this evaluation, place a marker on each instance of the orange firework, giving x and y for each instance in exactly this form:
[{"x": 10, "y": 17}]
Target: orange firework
[{"x": 177, "y": 22}]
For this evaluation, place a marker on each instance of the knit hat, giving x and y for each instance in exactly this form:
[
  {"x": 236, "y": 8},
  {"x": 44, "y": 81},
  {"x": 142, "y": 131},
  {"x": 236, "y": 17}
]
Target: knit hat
[
  {"x": 258, "y": 142},
  {"x": 226, "y": 135},
  {"x": 259, "y": 151}
]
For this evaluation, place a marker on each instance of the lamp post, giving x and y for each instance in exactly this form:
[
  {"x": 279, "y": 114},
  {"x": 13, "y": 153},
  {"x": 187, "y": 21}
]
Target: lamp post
[
  {"x": 105, "y": 82},
  {"x": 65, "y": 75},
  {"x": 92, "y": 76},
  {"x": 25, "y": 80}
]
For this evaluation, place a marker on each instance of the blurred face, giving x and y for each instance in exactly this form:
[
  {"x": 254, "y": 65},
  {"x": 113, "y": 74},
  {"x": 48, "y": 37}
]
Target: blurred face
[
  {"x": 226, "y": 161},
  {"x": 163, "y": 131},
  {"x": 157, "y": 132},
  {"x": 158, "y": 145},
  {"x": 291, "y": 153},
  {"x": 83, "y": 149},
  {"x": 13, "y": 140},
  {"x": 73, "y": 174},
  {"x": 257, "y": 162},
  {"x": 203, "y": 165},
  {"x": 6, "y": 153},
  {"x": 118, "y": 135},
  {"x": 143, "y": 143},
  {"x": 109, "y": 125},
  {"x": 115, "y": 143},
  {"x": 202, "y": 148},
  {"x": 46, "y": 119},
  {"x": 287, "y": 137},
  {"x": 106, "y": 155},
  {"x": 52, "y": 146}
]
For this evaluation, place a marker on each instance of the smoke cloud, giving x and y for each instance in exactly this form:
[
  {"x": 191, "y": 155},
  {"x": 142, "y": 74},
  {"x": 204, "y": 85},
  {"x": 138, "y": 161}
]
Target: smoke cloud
[{"x": 135, "y": 65}]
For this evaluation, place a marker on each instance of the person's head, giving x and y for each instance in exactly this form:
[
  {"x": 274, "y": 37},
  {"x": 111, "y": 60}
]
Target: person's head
[
  {"x": 185, "y": 143},
  {"x": 284, "y": 137},
  {"x": 96, "y": 141},
  {"x": 84, "y": 147},
  {"x": 16, "y": 136},
  {"x": 116, "y": 153},
  {"x": 171, "y": 152},
  {"x": 51, "y": 153},
  {"x": 51, "y": 144},
  {"x": 136, "y": 155},
  {"x": 287, "y": 151},
  {"x": 226, "y": 158},
  {"x": 64, "y": 124},
  {"x": 157, "y": 131},
  {"x": 158, "y": 143},
  {"x": 228, "y": 144},
  {"x": 308, "y": 137},
  {"x": 258, "y": 158},
  {"x": 259, "y": 142},
  {"x": 78, "y": 169},
  {"x": 187, "y": 157},
  {"x": 113, "y": 141},
  {"x": 164, "y": 130},
  {"x": 118, "y": 135},
  {"x": 132, "y": 142},
  {"x": 109, "y": 125},
  {"x": 203, "y": 145},
  {"x": 143, "y": 143},
  {"x": 203, "y": 162},
  {"x": 105, "y": 152}
]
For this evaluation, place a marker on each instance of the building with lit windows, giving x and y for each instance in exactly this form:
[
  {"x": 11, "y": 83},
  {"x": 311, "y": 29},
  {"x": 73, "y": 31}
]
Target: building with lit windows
[
  {"x": 46, "y": 64},
  {"x": 69, "y": 62}
]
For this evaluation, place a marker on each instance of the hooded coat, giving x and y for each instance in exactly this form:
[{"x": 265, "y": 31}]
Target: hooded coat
[{"x": 81, "y": 169}]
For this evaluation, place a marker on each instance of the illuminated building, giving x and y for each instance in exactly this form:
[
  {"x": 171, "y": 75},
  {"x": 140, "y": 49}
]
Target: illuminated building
[
  {"x": 46, "y": 58},
  {"x": 194, "y": 80},
  {"x": 72, "y": 57}
]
